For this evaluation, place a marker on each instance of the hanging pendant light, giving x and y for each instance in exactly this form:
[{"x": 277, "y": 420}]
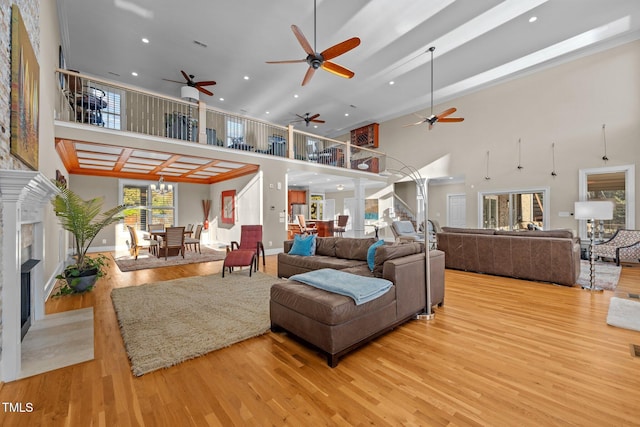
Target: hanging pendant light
[{"x": 162, "y": 188}]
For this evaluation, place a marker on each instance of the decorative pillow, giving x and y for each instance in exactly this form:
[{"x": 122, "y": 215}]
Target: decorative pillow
[
  {"x": 303, "y": 245},
  {"x": 371, "y": 253}
]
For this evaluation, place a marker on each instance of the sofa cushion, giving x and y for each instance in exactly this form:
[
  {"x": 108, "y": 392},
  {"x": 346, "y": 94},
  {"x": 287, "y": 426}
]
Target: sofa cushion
[
  {"x": 303, "y": 245},
  {"x": 387, "y": 252},
  {"x": 371, "y": 253},
  {"x": 326, "y": 246},
  {"x": 468, "y": 230},
  {"x": 560, "y": 233},
  {"x": 353, "y": 248},
  {"x": 316, "y": 262}
]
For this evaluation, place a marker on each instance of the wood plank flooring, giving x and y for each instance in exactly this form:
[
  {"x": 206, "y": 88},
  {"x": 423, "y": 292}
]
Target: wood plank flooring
[{"x": 501, "y": 352}]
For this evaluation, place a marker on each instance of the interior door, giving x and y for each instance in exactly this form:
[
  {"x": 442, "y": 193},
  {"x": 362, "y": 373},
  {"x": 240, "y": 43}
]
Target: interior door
[{"x": 456, "y": 210}]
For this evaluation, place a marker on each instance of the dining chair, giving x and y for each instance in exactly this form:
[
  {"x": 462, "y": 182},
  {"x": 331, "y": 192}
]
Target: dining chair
[
  {"x": 303, "y": 226},
  {"x": 135, "y": 245},
  {"x": 339, "y": 229},
  {"x": 251, "y": 240},
  {"x": 173, "y": 239},
  {"x": 194, "y": 242}
]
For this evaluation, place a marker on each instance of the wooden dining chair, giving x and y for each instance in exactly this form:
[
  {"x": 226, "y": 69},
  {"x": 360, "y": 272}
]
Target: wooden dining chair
[
  {"x": 173, "y": 239},
  {"x": 303, "y": 226},
  {"x": 135, "y": 245},
  {"x": 194, "y": 242}
]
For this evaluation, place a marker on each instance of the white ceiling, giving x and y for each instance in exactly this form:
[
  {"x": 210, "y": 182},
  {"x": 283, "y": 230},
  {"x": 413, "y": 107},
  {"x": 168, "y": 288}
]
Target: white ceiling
[{"x": 478, "y": 43}]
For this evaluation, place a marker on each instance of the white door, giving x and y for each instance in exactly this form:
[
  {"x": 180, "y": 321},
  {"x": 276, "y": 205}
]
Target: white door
[
  {"x": 456, "y": 210},
  {"x": 329, "y": 211}
]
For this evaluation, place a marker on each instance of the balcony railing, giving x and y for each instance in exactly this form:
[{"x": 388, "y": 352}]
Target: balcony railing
[{"x": 97, "y": 102}]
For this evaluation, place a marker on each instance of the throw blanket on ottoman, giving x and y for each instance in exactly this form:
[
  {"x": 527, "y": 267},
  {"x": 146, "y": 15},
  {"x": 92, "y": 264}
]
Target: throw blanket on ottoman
[{"x": 361, "y": 289}]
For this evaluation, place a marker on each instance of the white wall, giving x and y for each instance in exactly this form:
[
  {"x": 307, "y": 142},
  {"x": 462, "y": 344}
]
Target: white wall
[{"x": 566, "y": 105}]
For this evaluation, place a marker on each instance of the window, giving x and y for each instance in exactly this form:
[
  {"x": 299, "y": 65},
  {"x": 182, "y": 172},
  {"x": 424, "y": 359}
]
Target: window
[
  {"x": 514, "y": 210},
  {"x": 610, "y": 183},
  {"x": 148, "y": 206},
  {"x": 235, "y": 132},
  {"x": 111, "y": 115}
]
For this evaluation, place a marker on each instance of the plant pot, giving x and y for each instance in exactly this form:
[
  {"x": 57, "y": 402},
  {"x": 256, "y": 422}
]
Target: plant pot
[{"x": 85, "y": 280}]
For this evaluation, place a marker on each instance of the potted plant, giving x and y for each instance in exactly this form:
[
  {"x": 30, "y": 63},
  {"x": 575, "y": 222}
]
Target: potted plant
[{"x": 84, "y": 220}]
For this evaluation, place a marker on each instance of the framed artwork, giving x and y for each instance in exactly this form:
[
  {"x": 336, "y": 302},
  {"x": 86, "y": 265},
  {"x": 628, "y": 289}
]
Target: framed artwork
[
  {"x": 228, "y": 207},
  {"x": 25, "y": 93},
  {"x": 371, "y": 209}
]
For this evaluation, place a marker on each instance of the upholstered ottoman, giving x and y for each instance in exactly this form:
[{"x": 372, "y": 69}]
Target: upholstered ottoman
[
  {"x": 239, "y": 258},
  {"x": 330, "y": 321}
]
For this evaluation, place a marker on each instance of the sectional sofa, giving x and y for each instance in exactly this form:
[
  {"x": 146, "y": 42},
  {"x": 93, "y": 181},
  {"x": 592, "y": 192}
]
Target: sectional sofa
[{"x": 333, "y": 322}]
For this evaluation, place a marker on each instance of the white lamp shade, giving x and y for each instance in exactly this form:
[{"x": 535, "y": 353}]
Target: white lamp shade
[
  {"x": 601, "y": 209},
  {"x": 188, "y": 92}
]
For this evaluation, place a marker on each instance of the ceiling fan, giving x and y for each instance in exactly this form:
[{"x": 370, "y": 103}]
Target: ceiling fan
[
  {"x": 191, "y": 83},
  {"x": 443, "y": 116},
  {"x": 308, "y": 118},
  {"x": 323, "y": 59}
]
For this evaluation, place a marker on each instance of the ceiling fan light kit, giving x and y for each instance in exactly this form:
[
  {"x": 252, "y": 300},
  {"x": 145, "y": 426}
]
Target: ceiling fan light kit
[
  {"x": 189, "y": 93},
  {"x": 194, "y": 85}
]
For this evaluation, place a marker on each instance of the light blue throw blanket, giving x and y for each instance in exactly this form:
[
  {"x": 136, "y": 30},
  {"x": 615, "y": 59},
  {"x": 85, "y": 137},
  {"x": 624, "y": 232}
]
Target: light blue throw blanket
[{"x": 361, "y": 289}]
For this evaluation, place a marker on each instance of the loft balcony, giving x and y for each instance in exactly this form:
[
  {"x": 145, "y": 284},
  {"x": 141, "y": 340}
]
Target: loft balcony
[{"x": 109, "y": 129}]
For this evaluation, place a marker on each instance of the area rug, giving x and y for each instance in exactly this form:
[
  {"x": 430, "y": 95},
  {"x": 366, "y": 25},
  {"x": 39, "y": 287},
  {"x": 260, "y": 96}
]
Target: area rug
[
  {"x": 166, "y": 323},
  {"x": 125, "y": 262},
  {"x": 607, "y": 274},
  {"x": 624, "y": 313}
]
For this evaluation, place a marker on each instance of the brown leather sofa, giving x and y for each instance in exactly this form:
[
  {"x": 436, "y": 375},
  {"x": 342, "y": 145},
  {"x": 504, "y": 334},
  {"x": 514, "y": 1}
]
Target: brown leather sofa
[
  {"x": 546, "y": 256},
  {"x": 333, "y": 322}
]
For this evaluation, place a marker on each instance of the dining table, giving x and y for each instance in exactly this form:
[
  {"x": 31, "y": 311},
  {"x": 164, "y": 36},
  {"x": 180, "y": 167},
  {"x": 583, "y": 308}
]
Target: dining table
[{"x": 161, "y": 234}]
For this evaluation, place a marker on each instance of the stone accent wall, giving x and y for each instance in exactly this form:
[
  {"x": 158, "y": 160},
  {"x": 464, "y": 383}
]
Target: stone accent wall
[{"x": 30, "y": 11}]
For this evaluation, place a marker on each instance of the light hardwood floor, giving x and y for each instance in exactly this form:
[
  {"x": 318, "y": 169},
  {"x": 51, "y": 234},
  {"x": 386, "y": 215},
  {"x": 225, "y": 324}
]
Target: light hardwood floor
[{"x": 501, "y": 352}]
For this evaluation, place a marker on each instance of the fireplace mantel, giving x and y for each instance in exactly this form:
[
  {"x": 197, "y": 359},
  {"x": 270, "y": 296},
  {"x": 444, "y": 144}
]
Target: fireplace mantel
[{"x": 23, "y": 196}]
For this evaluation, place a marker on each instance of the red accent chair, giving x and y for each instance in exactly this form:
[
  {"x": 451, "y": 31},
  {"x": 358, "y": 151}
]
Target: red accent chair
[
  {"x": 240, "y": 258},
  {"x": 251, "y": 240}
]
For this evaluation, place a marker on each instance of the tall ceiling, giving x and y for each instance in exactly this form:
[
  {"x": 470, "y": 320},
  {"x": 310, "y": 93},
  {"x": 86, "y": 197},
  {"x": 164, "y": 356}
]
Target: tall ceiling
[{"x": 478, "y": 43}]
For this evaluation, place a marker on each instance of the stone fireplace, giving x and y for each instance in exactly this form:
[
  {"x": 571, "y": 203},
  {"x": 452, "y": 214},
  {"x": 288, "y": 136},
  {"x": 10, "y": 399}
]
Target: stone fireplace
[{"x": 23, "y": 197}]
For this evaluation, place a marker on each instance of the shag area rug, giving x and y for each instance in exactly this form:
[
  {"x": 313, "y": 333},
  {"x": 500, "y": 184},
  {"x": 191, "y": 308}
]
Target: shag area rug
[
  {"x": 126, "y": 262},
  {"x": 624, "y": 313},
  {"x": 166, "y": 323},
  {"x": 607, "y": 274}
]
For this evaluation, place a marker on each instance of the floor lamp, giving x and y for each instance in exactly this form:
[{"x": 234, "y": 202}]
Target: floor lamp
[
  {"x": 413, "y": 174},
  {"x": 593, "y": 211}
]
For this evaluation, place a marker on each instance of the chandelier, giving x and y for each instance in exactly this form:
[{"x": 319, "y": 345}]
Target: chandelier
[{"x": 162, "y": 188}]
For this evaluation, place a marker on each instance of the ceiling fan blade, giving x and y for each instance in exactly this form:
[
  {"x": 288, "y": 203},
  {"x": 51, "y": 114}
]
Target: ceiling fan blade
[
  {"x": 186, "y": 76},
  {"x": 451, "y": 119},
  {"x": 206, "y": 83},
  {"x": 317, "y": 121},
  {"x": 414, "y": 124},
  {"x": 314, "y": 116},
  {"x": 308, "y": 75},
  {"x": 338, "y": 70},
  {"x": 445, "y": 113},
  {"x": 302, "y": 40},
  {"x": 205, "y": 91},
  {"x": 340, "y": 48},
  {"x": 173, "y": 81},
  {"x": 289, "y": 61}
]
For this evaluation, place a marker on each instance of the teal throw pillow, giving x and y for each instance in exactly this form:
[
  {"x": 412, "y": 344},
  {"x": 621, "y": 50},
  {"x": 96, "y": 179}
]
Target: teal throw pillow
[
  {"x": 371, "y": 253},
  {"x": 303, "y": 245}
]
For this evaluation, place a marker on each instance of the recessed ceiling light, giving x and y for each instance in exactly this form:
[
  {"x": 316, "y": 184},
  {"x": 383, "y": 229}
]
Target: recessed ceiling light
[
  {"x": 133, "y": 73},
  {"x": 145, "y": 40},
  {"x": 295, "y": 96},
  {"x": 392, "y": 82},
  {"x": 221, "y": 99},
  {"x": 346, "y": 114},
  {"x": 246, "y": 77},
  {"x": 533, "y": 19},
  {"x": 315, "y": 126},
  {"x": 266, "y": 112}
]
